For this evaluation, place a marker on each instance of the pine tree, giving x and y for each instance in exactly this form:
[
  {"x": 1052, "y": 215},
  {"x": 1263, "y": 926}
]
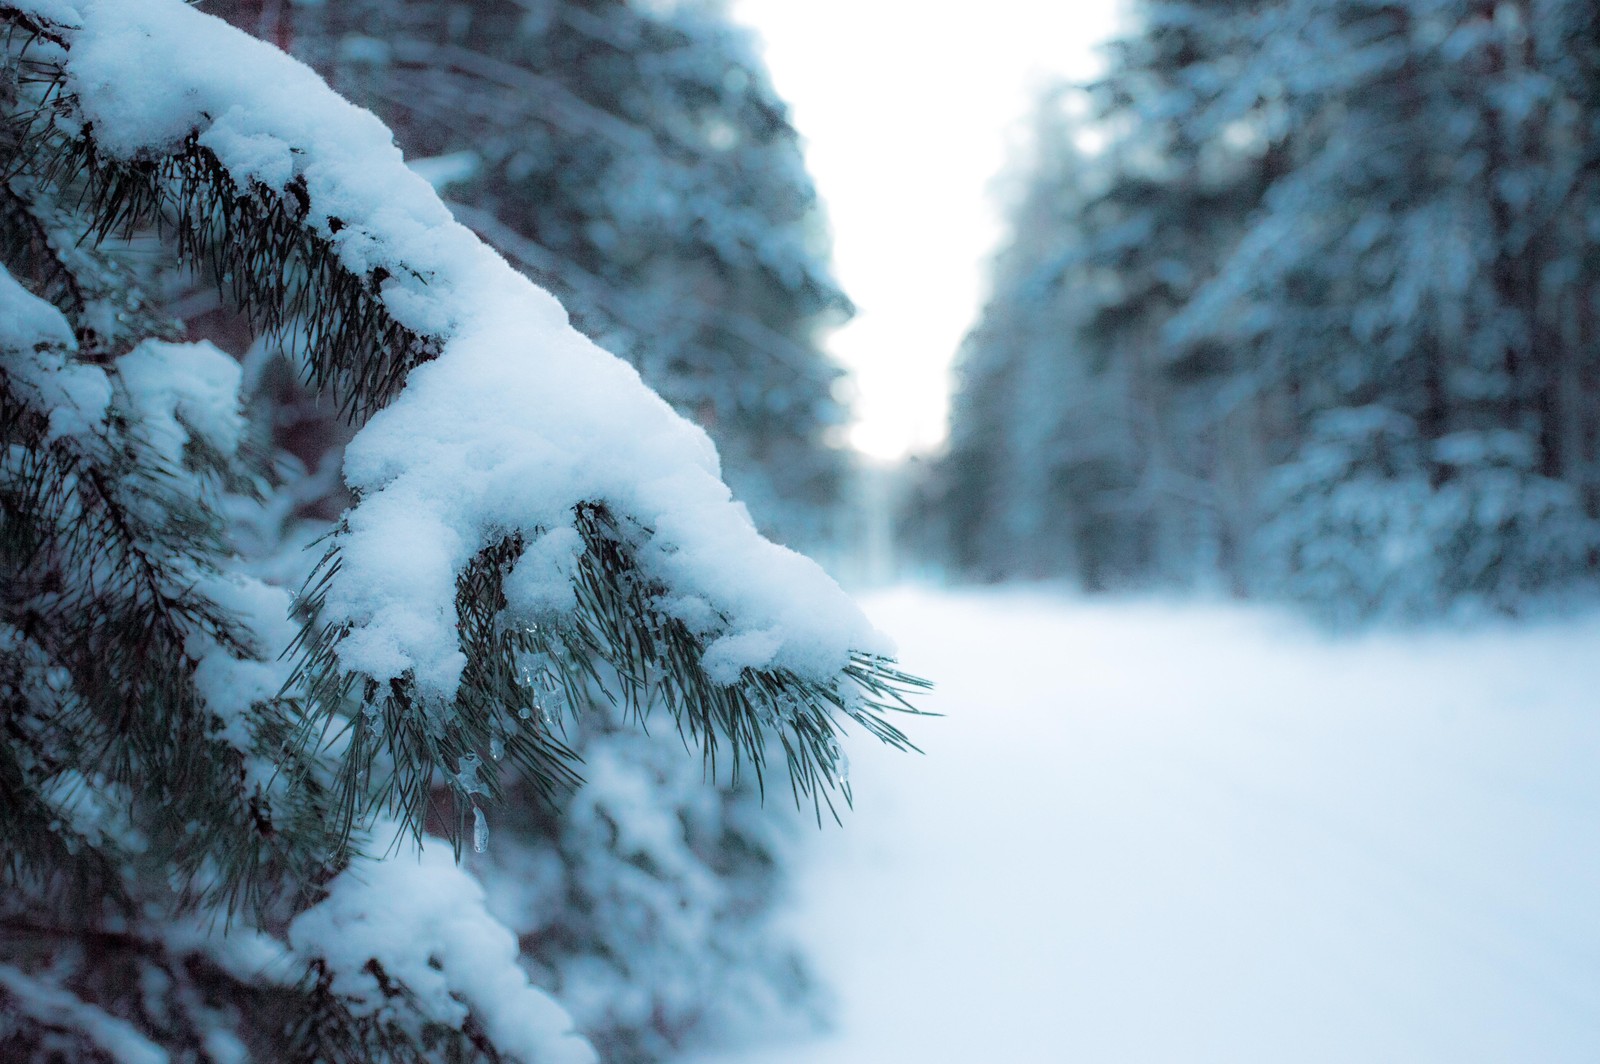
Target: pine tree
[
  {"x": 1330, "y": 293},
  {"x": 214, "y": 813},
  {"x": 1016, "y": 483},
  {"x": 1111, "y": 439},
  {"x": 1404, "y": 270},
  {"x": 633, "y": 159}
]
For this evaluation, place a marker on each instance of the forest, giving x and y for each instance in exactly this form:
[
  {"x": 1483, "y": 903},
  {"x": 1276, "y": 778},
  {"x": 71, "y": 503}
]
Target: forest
[
  {"x": 1301, "y": 305},
  {"x": 418, "y": 421}
]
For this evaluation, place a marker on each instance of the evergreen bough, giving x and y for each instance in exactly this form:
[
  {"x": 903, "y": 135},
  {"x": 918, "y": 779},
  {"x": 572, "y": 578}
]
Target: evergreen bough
[{"x": 140, "y": 820}]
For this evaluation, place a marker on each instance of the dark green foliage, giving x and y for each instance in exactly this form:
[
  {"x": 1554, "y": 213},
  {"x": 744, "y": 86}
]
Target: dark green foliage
[
  {"x": 121, "y": 583},
  {"x": 275, "y": 267}
]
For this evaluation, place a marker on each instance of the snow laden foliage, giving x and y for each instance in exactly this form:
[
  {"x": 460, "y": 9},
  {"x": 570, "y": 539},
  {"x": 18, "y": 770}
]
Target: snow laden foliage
[
  {"x": 411, "y": 943},
  {"x": 634, "y": 159},
  {"x": 645, "y": 900},
  {"x": 1311, "y": 230},
  {"x": 1359, "y": 531},
  {"x": 191, "y": 778}
]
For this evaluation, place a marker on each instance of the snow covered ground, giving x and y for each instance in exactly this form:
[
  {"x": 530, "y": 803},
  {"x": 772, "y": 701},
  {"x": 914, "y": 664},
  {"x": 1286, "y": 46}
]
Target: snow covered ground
[{"x": 1180, "y": 834}]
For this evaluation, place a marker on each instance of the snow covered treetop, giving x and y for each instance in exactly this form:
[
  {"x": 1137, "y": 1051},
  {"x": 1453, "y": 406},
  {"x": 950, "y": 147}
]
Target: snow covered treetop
[{"x": 526, "y": 505}]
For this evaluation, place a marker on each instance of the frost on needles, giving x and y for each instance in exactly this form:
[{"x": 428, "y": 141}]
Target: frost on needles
[{"x": 533, "y": 528}]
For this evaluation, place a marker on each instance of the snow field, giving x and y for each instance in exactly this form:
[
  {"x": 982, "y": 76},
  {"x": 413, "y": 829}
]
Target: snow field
[{"x": 1148, "y": 832}]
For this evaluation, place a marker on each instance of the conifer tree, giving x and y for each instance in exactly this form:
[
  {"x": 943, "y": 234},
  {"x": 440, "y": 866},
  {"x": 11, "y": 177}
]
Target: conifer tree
[
  {"x": 634, "y": 159},
  {"x": 216, "y": 811},
  {"x": 1404, "y": 271},
  {"x": 1333, "y": 293}
]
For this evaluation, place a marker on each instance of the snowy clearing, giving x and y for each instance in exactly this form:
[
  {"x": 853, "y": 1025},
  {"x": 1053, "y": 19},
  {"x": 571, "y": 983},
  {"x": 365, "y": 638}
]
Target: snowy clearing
[{"x": 1149, "y": 832}]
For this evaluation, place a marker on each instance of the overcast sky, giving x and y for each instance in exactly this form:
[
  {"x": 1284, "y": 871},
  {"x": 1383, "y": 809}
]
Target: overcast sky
[{"x": 907, "y": 110}]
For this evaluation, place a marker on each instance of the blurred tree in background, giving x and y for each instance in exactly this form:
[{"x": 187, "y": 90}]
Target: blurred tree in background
[{"x": 1318, "y": 314}]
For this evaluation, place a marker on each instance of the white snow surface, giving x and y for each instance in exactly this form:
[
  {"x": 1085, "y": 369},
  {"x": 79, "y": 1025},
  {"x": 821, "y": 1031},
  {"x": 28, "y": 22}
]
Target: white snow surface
[
  {"x": 35, "y": 340},
  {"x": 520, "y": 418},
  {"x": 1149, "y": 833},
  {"x": 231, "y": 685},
  {"x": 422, "y": 919},
  {"x": 176, "y": 392},
  {"x": 29, "y": 320}
]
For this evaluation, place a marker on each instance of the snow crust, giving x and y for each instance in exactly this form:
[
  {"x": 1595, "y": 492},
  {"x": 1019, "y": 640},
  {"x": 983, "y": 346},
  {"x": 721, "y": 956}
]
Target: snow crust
[
  {"x": 29, "y": 320},
  {"x": 541, "y": 583},
  {"x": 230, "y": 685},
  {"x": 519, "y": 420},
  {"x": 177, "y": 392},
  {"x": 423, "y": 920},
  {"x": 37, "y": 340},
  {"x": 95, "y": 809}
]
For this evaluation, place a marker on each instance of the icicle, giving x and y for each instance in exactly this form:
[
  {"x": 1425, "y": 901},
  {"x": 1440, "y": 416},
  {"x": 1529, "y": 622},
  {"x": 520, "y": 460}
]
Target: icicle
[
  {"x": 837, "y": 760},
  {"x": 786, "y": 710},
  {"x": 555, "y": 697},
  {"x": 480, "y": 830},
  {"x": 497, "y": 748},
  {"x": 467, "y": 774}
]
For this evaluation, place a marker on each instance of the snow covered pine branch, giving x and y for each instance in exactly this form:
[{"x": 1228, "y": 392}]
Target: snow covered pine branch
[{"x": 533, "y": 526}]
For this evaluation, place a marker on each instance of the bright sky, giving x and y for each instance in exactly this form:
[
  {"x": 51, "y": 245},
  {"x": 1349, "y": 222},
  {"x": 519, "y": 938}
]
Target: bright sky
[{"x": 907, "y": 109}]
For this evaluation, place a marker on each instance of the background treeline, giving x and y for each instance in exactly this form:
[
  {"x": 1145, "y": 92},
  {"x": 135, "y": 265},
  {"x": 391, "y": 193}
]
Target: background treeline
[{"x": 1302, "y": 300}]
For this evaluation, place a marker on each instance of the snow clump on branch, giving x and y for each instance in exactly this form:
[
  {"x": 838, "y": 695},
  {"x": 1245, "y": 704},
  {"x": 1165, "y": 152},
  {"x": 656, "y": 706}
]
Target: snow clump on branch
[{"x": 517, "y": 422}]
